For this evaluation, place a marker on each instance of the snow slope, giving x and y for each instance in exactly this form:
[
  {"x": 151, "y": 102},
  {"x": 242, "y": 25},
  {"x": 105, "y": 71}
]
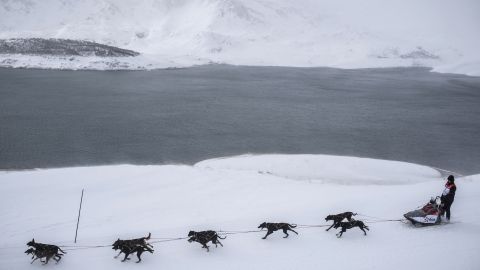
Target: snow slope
[
  {"x": 343, "y": 33},
  {"x": 239, "y": 193}
]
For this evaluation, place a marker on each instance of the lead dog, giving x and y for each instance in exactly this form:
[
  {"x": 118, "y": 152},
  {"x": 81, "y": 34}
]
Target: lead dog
[
  {"x": 204, "y": 237},
  {"x": 44, "y": 251},
  {"x": 41, "y": 247},
  {"x": 39, "y": 254},
  {"x": 271, "y": 227}
]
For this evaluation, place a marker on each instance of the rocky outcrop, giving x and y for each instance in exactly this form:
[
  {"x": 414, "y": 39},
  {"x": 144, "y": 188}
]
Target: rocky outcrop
[{"x": 61, "y": 47}]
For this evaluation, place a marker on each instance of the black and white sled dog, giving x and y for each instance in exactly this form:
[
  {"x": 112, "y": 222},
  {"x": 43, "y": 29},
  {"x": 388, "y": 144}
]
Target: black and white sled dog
[
  {"x": 349, "y": 225},
  {"x": 339, "y": 217},
  {"x": 138, "y": 245},
  {"x": 204, "y": 237},
  {"x": 271, "y": 227}
]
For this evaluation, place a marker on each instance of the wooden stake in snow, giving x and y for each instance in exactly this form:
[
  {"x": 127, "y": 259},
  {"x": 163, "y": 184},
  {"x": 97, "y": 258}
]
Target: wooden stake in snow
[{"x": 78, "y": 220}]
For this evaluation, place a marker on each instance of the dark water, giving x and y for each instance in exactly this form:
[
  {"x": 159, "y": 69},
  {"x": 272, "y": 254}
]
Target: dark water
[{"x": 70, "y": 118}]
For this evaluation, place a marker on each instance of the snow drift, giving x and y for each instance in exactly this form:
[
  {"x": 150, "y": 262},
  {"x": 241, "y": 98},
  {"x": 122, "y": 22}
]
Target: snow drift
[
  {"x": 239, "y": 193},
  {"x": 347, "y": 34}
]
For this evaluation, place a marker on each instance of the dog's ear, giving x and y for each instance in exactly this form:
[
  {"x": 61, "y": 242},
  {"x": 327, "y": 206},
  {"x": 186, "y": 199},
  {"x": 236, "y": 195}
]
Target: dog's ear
[{"x": 33, "y": 240}]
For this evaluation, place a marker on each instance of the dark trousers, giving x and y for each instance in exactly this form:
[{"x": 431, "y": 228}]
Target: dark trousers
[{"x": 446, "y": 207}]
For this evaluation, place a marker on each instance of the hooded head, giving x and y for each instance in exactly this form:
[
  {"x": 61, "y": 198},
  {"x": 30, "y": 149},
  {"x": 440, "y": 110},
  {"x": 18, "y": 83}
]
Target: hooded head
[{"x": 451, "y": 178}]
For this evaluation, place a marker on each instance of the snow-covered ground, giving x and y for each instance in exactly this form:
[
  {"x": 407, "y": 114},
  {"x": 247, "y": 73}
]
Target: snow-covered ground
[
  {"x": 442, "y": 34},
  {"x": 238, "y": 193}
]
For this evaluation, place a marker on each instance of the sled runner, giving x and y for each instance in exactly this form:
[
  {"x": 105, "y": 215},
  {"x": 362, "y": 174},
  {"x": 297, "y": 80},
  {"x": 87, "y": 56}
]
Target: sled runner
[{"x": 430, "y": 214}]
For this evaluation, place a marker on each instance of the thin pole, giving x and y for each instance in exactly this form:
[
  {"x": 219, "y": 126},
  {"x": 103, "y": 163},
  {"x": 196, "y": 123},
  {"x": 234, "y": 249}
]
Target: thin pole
[{"x": 78, "y": 220}]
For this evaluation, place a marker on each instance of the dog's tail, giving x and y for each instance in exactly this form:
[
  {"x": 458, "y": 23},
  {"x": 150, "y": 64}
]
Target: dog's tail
[
  {"x": 59, "y": 249},
  {"x": 148, "y": 236},
  {"x": 221, "y": 237},
  {"x": 292, "y": 225},
  {"x": 354, "y": 214}
]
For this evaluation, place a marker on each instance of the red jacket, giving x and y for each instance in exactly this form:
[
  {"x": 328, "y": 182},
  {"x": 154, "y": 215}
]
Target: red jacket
[{"x": 449, "y": 192}]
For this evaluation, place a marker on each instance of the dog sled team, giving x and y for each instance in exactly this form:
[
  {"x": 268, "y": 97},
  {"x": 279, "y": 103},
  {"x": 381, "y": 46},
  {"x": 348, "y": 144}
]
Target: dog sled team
[
  {"x": 140, "y": 245},
  {"x": 430, "y": 214}
]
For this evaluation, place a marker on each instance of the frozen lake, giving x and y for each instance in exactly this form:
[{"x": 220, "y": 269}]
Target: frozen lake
[{"x": 70, "y": 118}]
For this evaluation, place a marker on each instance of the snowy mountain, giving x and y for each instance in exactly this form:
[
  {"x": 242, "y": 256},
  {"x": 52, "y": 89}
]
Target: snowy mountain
[
  {"x": 237, "y": 194},
  {"x": 350, "y": 34}
]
